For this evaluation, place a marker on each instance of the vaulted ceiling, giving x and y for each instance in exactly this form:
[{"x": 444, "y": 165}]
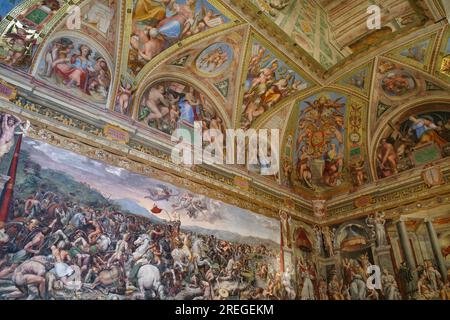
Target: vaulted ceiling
[{"x": 340, "y": 94}]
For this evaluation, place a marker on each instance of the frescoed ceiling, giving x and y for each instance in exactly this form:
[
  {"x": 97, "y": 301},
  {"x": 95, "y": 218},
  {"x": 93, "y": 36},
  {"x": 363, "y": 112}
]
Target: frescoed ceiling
[{"x": 349, "y": 102}]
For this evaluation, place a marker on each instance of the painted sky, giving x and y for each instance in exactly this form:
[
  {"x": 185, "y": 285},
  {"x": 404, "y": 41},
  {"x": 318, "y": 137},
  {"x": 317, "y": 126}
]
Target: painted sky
[
  {"x": 7, "y": 5},
  {"x": 117, "y": 183}
]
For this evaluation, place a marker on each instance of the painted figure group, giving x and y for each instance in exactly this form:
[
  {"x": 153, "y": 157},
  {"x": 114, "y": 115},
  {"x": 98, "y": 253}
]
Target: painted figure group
[
  {"x": 54, "y": 249},
  {"x": 165, "y": 106},
  {"x": 159, "y": 24},
  {"x": 268, "y": 82},
  {"x": 320, "y": 139},
  {"x": 74, "y": 65},
  {"x": 395, "y": 153}
]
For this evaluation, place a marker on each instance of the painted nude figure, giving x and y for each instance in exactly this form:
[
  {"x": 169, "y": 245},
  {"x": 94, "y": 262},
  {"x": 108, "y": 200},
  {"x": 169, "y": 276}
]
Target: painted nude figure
[
  {"x": 387, "y": 158},
  {"x": 155, "y": 98},
  {"x": 9, "y": 125}
]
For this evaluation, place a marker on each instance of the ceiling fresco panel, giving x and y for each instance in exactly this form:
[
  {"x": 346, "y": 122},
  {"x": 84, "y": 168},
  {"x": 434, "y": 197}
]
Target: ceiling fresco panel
[
  {"x": 443, "y": 61},
  {"x": 326, "y": 140},
  {"x": 269, "y": 81},
  {"x": 417, "y": 53},
  {"x": 396, "y": 84},
  {"x": 359, "y": 79},
  {"x": 157, "y": 26},
  {"x": 24, "y": 28}
]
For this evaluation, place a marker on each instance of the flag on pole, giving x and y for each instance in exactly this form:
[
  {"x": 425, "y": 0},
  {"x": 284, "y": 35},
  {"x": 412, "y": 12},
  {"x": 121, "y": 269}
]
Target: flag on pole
[
  {"x": 6, "y": 199},
  {"x": 156, "y": 210}
]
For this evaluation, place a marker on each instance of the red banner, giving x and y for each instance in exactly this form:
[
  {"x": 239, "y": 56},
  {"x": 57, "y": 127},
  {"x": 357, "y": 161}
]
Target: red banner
[{"x": 7, "y": 194}]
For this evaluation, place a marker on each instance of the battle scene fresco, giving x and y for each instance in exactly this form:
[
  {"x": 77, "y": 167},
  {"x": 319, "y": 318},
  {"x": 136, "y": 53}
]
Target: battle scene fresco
[
  {"x": 347, "y": 197},
  {"x": 78, "y": 228},
  {"x": 81, "y": 229},
  {"x": 157, "y": 25},
  {"x": 77, "y": 68}
]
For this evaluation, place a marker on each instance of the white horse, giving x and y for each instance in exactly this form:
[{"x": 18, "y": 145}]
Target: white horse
[
  {"x": 199, "y": 253},
  {"x": 144, "y": 243},
  {"x": 149, "y": 278},
  {"x": 180, "y": 258}
]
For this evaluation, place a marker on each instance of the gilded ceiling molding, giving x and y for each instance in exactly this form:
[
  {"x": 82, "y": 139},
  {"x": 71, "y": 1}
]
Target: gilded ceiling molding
[
  {"x": 347, "y": 90},
  {"x": 354, "y": 61},
  {"x": 255, "y": 199},
  {"x": 120, "y": 41},
  {"x": 121, "y": 156},
  {"x": 394, "y": 200},
  {"x": 240, "y": 78},
  {"x": 290, "y": 100},
  {"x": 440, "y": 36},
  {"x": 264, "y": 26}
]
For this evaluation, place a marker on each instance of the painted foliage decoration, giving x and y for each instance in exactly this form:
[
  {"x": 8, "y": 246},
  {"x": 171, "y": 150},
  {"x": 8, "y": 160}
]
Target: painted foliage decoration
[
  {"x": 420, "y": 139},
  {"x": 77, "y": 68},
  {"x": 320, "y": 140},
  {"x": 269, "y": 81},
  {"x": 169, "y": 105},
  {"x": 157, "y": 25}
]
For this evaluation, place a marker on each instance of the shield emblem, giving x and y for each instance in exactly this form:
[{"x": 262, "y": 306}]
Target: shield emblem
[
  {"x": 317, "y": 139},
  {"x": 432, "y": 176}
]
